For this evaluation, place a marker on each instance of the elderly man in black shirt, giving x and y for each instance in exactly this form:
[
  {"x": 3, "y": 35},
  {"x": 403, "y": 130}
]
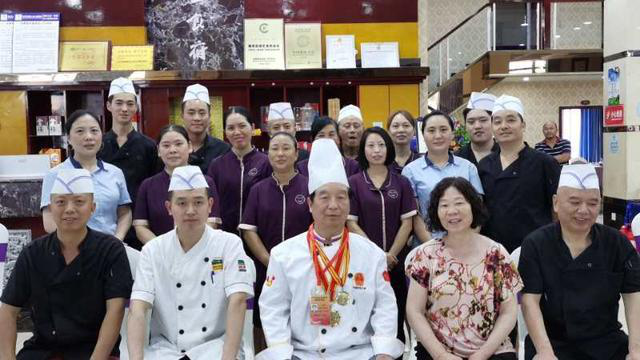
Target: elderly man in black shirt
[
  {"x": 518, "y": 181},
  {"x": 574, "y": 272},
  {"x": 75, "y": 281}
]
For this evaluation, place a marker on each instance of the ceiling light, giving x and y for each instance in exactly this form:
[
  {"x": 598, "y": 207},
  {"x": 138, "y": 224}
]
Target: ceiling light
[
  {"x": 524, "y": 24},
  {"x": 587, "y": 23},
  {"x": 520, "y": 44},
  {"x": 526, "y": 78},
  {"x": 576, "y": 28}
]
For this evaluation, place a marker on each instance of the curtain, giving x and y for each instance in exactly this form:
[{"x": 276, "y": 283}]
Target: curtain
[{"x": 591, "y": 134}]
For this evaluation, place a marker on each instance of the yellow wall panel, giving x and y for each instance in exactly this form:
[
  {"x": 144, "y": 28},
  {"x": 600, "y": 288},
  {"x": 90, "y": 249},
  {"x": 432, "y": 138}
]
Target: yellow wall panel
[
  {"x": 118, "y": 35},
  {"x": 374, "y": 103},
  {"x": 404, "y": 97},
  {"x": 13, "y": 123},
  {"x": 405, "y": 33}
]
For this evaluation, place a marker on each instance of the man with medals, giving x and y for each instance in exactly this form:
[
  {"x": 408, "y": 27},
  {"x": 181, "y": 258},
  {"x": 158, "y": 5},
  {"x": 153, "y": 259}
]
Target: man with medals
[{"x": 327, "y": 292}]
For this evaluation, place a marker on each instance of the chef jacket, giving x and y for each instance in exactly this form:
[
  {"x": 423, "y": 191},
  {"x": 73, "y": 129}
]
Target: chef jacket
[
  {"x": 580, "y": 296},
  {"x": 151, "y": 210},
  {"x": 137, "y": 158},
  {"x": 234, "y": 178},
  {"x": 351, "y": 167},
  {"x": 379, "y": 212},
  {"x": 211, "y": 149},
  {"x": 519, "y": 198},
  {"x": 466, "y": 152},
  {"x": 68, "y": 301},
  {"x": 110, "y": 192},
  {"x": 368, "y": 322},
  {"x": 398, "y": 169},
  {"x": 189, "y": 291}
]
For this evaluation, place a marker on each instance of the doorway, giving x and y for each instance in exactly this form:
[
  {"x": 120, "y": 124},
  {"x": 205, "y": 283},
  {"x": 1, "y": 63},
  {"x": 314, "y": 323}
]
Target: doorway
[{"x": 582, "y": 126}]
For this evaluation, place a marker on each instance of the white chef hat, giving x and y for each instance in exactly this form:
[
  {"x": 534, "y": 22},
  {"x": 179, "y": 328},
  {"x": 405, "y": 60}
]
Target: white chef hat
[
  {"x": 72, "y": 181},
  {"x": 122, "y": 85},
  {"x": 349, "y": 110},
  {"x": 187, "y": 178},
  {"x": 579, "y": 176},
  {"x": 325, "y": 165},
  {"x": 481, "y": 101},
  {"x": 507, "y": 102},
  {"x": 279, "y": 111},
  {"x": 196, "y": 92}
]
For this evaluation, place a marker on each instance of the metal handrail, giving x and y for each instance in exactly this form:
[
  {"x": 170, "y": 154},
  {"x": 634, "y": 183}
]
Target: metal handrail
[{"x": 458, "y": 26}]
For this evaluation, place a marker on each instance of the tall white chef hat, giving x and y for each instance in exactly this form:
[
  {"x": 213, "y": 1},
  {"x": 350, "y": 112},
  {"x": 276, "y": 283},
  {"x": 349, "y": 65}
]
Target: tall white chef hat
[
  {"x": 579, "y": 176},
  {"x": 72, "y": 181},
  {"x": 196, "y": 92},
  {"x": 507, "y": 102},
  {"x": 121, "y": 85},
  {"x": 481, "y": 101},
  {"x": 325, "y": 165},
  {"x": 349, "y": 110},
  {"x": 280, "y": 110},
  {"x": 187, "y": 178}
]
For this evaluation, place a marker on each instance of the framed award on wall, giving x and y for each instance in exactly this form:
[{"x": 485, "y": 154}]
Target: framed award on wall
[
  {"x": 264, "y": 44},
  {"x": 303, "y": 45}
]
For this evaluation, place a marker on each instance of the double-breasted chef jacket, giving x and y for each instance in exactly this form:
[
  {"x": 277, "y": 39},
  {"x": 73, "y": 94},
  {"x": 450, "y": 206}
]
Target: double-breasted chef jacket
[
  {"x": 189, "y": 291},
  {"x": 368, "y": 321},
  {"x": 68, "y": 301},
  {"x": 579, "y": 297}
]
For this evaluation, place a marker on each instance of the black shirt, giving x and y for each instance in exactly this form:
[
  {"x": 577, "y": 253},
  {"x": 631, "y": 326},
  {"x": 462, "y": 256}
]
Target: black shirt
[
  {"x": 137, "y": 158},
  {"x": 398, "y": 169},
  {"x": 580, "y": 296},
  {"x": 519, "y": 198},
  {"x": 466, "y": 152},
  {"x": 211, "y": 149},
  {"x": 68, "y": 302}
]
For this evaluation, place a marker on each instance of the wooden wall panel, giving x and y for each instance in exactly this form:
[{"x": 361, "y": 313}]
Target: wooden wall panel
[{"x": 13, "y": 123}]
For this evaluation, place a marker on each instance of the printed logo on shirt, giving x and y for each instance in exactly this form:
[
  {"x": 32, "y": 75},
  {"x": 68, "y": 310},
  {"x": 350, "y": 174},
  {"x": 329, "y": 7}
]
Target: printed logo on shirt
[
  {"x": 359, "y": 281},
  {"x": 216, "y": 265},
  {"x": 299, "y": 199},
  {"x": 241, "y": 266},
  {"x": 269, "y": 281},
  {"x": 393, "y": 193},
  {"x": 253, "y": 172},
  {"x": 386, "y": 276}
]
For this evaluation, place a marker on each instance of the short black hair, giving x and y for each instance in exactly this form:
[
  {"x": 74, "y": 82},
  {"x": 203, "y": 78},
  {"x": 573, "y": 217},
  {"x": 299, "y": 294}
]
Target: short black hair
[
  {"x": 466, "y": 112},
  {"x": 319, "y": 123},
  {"x": 175, "y": 128},
  {"x": 184, "y": 102},
  {"x": 287, "y": 135},
  {"x": 237, "y": 110},
  {"x": 452, "y": 123},
  {"x": 391, "y": 151},
  {"x": 78, "y": 114},
  {"x": 478, "y": 210}
]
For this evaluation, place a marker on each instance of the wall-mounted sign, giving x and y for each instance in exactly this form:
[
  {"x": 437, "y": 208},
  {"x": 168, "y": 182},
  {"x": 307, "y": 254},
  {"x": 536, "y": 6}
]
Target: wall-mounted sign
[
  {"x": 380, "y": 55},
  {"x": 84, "y": 55},
  {"x": 264, "y": 44},
  {"x": 35, "y": 42},
  {"x": 303, "y": 45},
  {"x": 613, "y": 86},
  {"x": 129, "y": 58},
  {"x": 614, "y": 115}
]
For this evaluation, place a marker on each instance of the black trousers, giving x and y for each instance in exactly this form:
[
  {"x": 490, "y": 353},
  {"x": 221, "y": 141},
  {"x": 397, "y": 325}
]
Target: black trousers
[{"x": 610, "y": 347}]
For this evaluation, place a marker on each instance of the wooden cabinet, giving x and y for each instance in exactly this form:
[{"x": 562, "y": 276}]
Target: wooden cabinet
[{"x": 13, "y": 123}]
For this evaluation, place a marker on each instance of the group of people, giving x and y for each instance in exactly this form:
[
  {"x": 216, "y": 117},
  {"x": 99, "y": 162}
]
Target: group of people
[{"x": 345, "y": 241}]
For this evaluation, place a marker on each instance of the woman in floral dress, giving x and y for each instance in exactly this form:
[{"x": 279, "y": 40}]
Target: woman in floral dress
[{"x": 462, "y": 296}]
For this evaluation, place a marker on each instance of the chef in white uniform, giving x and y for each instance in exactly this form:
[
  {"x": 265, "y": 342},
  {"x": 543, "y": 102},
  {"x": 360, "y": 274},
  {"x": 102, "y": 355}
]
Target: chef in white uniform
[
  {"x": 195, "y": 278},
  {"x": 327, "y": 293}
]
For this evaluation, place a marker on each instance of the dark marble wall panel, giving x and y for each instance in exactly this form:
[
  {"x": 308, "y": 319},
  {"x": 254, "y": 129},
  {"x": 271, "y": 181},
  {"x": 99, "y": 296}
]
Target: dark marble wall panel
[
  {"x": 335, "y": 11},
  {"x": 20, "y": 199},
  {"x": 84, "y": 12},
  {"x": 196, "y": 34}
]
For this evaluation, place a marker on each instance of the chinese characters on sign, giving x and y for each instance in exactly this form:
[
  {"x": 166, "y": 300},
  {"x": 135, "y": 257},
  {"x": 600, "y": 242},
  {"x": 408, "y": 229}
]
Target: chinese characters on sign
[
  {"x": 614, "y": 115},
  {"x": 264, "y": 44},
  {"x": 84, "y": 56}
]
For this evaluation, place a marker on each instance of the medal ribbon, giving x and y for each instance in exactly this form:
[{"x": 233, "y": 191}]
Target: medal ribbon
[{"x": 339, "y": 264}]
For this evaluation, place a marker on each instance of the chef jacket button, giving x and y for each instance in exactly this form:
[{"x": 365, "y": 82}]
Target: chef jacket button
[
  {"x": 53, "y": 253},
  {"x": 203, "y": 283},
  {"x": 323, "y": 331},
  {"x": 354, "y": 329},
  {"x": 204, "y": 329},
  {"x": 206, "y": 259},
  {"x": 53, "y": 332},
  {"x": 323, "y": 350},
  {"x": 588, "y": 264},
  {"x": 183, "y": 351},
  {"x": 178, "y": 285},
  {"x": 353, "y": 302},
  {"x": 78, "y": 273},
  {"x": 181, "y": 332},
  {"x": 180, "y": 307},
  {"x": 204, "y": 305},
  {"x": 350, "y": 275}
]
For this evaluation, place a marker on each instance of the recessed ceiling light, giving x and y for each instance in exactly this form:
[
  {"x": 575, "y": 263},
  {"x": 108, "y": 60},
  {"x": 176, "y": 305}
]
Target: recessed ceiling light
[
  {"x": 526, "y": 78},
  {"x": 520, "y": 44},
  {"x": 576, "y": 28},
  {"x": 524, "y": 24},
  {"x": 587, "y": 23},
  {"x": 459, "y": 52},
  {"x": 557, "y": 36}
]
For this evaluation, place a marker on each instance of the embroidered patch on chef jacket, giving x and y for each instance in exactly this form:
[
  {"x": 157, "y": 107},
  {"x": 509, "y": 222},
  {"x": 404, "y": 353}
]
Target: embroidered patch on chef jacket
[
  {"x": 269, "y": 281},
  {"x": 241, "y": 266},
  {"x": 216, "y": 265},
  {"x": 386, "y": 276},
  {"x": 359, "y": 281}
]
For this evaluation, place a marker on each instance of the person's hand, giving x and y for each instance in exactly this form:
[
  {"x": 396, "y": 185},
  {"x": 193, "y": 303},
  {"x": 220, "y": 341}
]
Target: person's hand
[
  {"x": 479, "y": 355},
  {"x": 633, "y": 356},
  {"x": 391, "y": 261}
]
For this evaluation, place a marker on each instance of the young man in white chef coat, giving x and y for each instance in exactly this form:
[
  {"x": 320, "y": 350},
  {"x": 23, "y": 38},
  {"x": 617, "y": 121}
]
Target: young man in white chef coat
[
  {"x": 327, "y": 292},
  {"x": 195, "y": 278}
]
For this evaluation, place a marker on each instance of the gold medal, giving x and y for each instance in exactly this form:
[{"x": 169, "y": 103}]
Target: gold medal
[
  {"x": 335, "y": 319},
  {"x": 342, "y": 298}
]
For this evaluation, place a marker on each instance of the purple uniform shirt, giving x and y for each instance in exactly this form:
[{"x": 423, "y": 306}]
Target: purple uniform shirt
[
  {"x": 234, "y": 179},
  {"x": 379, "y": 212},
  {"x": 351, "y": 167},
  {"x": 151, "y": 211}
]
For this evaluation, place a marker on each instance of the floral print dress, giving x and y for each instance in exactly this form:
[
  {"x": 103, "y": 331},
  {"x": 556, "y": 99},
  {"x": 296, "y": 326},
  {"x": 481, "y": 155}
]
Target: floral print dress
[{"x": 464, "y": 299}]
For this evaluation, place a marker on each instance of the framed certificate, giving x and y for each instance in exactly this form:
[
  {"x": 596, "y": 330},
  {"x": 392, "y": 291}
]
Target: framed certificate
[
  {"x": 35, "y": 42},
  {"x": 264, "y": 44},
  {"x": 84, "y": 55},
  {"x": 132, "y": 58},
  {"x": 341, "y": 51},
  {"x": 380, "y": 55},
  {"x": 303, "y": 44}
]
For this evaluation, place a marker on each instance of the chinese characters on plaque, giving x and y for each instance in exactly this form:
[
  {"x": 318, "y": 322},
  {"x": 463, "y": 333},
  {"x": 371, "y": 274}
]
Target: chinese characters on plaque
[
  {"x": 303, "y": 44},
  {"x": 264, "y": 44}
]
